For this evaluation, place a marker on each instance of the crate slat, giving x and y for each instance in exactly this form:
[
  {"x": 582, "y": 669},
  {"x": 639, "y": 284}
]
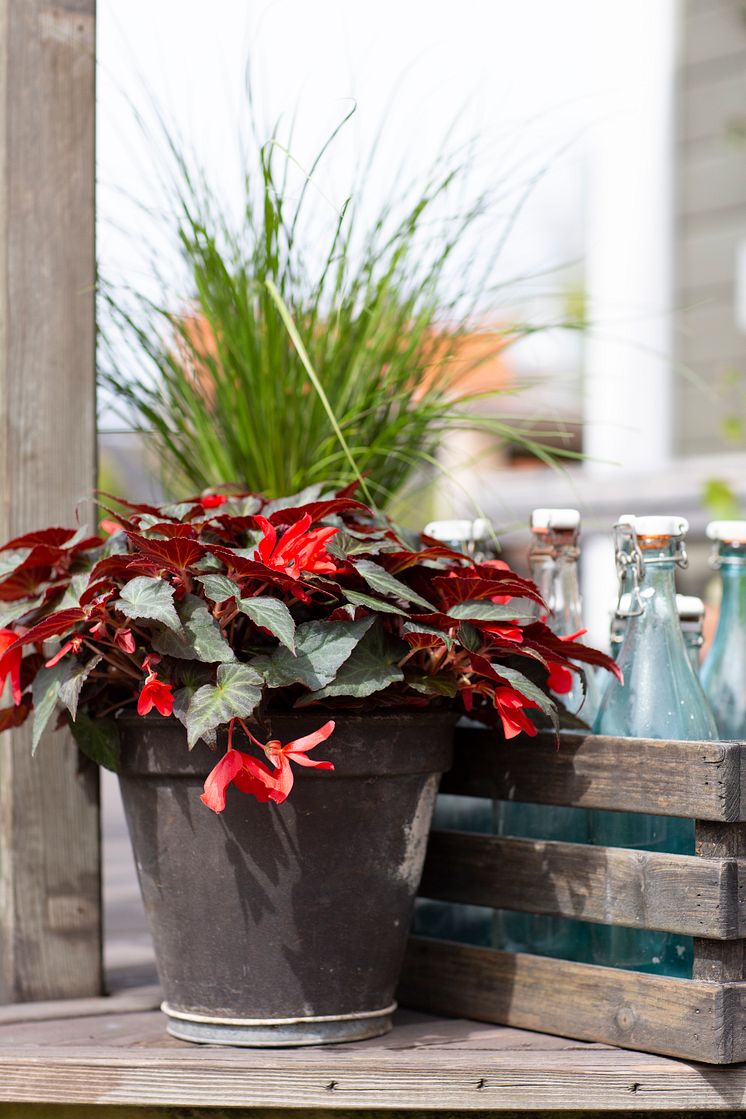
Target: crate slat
[
  {"x": 685, "y": 1018},
  {"x": 608, "y": 885},
  {"x": 699, "y": 780}
]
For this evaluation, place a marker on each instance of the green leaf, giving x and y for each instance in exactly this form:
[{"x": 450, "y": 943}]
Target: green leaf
[
  {"x": 201, "y": 638},
  {"x": 72, "y": 685},
  {"x": 153, "y": 599},
  {"x": 344, "y": 545},
  {"x": 182, "y": 699},
  {"x": 480, "y": 610},
  {"x": 272, "y": 615},
  {"x": 418, "y": 627},
  {"x": 433, "y": 685},
  {"x": 236, "y": 695},
  {"x": 470, "y": 637},
  {"x": 17, "y": 609},
  {"x": 219, "y": 588},
  {"x": 98, "y": 739},
  {"x": 72, "y": 594},
  {"x": 45, "y": 691},
  {"x": 372, "y": 603},
  {"x": 321, "y": 649},
  {"x": 9, "y": 560},
  {"x": 380, "y": 580},
  {"x": 530, "y": 690},
  {"x": 370, "y": 668}
]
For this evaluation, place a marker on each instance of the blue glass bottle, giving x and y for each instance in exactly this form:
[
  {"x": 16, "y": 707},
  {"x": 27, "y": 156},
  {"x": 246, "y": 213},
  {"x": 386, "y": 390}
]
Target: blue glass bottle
[
  {"x": 553, "y": 560},
  {"x": 691, "y": 611},
  {"x": 661, "y": 697},
  {"x": 724, "y": 671},
  {"x": 468, "y": 924}
]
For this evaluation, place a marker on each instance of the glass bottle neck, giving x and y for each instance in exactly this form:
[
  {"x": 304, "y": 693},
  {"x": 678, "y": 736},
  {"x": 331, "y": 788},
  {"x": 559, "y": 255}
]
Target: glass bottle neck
[
  {"x": 657, "y": 598},
  {"x": 555, "y": 572},
  {"x": 733, "y": 604}
]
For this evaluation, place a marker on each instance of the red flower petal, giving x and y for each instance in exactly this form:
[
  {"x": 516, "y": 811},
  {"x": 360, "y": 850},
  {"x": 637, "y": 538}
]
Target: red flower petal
[
  {"x": 155, "y": 693},
  {"x": 219, "y": 778}
]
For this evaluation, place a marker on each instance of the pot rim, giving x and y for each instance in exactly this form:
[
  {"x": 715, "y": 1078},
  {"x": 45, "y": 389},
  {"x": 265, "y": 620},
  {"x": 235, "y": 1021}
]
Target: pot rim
[{"x": 418, "y": 714}]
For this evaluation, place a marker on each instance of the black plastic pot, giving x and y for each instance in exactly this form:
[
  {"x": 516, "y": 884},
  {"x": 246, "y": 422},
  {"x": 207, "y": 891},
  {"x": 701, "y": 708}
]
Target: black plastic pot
[{"x": 284, "y": 924}]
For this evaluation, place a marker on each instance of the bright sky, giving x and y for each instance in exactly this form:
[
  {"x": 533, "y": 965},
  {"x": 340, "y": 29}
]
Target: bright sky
[{"x": 518, "y": 75}]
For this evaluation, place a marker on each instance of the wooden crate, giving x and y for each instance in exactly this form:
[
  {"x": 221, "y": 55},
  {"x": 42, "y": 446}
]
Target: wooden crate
[{"x": 703, "y": 1018}]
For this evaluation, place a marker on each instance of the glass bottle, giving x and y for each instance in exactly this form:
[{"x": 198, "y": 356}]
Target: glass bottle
[
  {"x": 553, "y": 558},
  {"x": 661, "y": 697},
  {"x": 691, "y": 611},
  {"x": 724, "y": 670},
  {"x": 619, "y": 618},
  {"x": 469, "y": 924}
]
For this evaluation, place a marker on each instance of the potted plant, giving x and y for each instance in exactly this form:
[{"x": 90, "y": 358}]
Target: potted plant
[{"x": 276, "y": 683}]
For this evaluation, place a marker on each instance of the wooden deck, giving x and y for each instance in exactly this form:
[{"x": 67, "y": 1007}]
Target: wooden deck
[{"x": 103, "y": 1053}]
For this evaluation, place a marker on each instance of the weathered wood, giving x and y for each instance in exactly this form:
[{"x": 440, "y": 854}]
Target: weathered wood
[
  {"x": 50, "y": 925},
  {"x": 126, "y": 1001},
  {"x": 715, "y": 39},
  {"x": 680, "y": 1017},
  {"x": 425, "y": 1065},
  {"x": 76, "y": 1111},
  {"x": 713, "y": 960},
  {"x": 608, "y": 885},
  {"x": 701, "y": 780}
]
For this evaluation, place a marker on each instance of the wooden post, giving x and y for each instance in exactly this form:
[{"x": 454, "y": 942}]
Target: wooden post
[{"x": 50, "y": 913}]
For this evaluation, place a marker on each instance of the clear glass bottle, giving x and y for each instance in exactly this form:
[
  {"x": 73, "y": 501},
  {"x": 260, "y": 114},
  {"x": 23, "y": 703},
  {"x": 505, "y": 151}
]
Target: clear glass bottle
[
  {"x": 469, "y": 924},
  {"x": 661, "y": 697},
  {"x": 553, "y": 559},
  {"x": 691, "y": 611},
  {"x": 723, "y": 673},
  {"x": 618, "y": 626}
]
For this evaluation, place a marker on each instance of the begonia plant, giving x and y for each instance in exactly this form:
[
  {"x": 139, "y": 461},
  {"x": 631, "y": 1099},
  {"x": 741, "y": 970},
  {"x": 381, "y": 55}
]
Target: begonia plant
[{"x": 223, "y": 608}]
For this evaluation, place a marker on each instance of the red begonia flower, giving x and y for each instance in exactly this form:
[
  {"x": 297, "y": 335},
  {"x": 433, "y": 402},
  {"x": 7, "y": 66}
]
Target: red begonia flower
[
  {"x": 10, "y": 663},
  {"x": 213, "y": 500},
  {"x": 560, "y": 679},
  {"x": 300, "y": 548},
  {"x": 110, "y": 527},
  {"x": 73, "y": 645},
  {"x": 252, "y": 776},
  {"x": 155, "y": 693},
  {"x": 246, "y": 773},
  {"x": 511, "y": 706},
  {"x": 124, "y": 640},
  {"x": 505, "y": 631},
  {"x": 297, "y": 751}
]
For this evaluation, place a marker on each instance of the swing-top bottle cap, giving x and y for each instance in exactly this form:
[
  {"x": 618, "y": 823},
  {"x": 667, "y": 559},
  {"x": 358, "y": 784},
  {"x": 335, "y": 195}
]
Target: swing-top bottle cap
[
  {"x": 459, "y": 530},
  {"x": 548, "y": 520},
  {"x": 661, "y": 526},
  {"x": 626, "y": 519},
  {"x": 689, "y": 607},
  {"x": 730, "y": 532}
]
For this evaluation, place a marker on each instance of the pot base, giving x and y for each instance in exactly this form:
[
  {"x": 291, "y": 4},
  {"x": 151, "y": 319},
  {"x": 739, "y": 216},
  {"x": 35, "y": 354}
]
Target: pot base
[{"x": 267, "y": 1033}]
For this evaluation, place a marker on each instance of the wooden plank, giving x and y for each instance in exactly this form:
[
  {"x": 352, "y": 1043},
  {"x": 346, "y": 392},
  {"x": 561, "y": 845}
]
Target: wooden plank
[
  {"x": 50, "y": 924},
  {"x": 682, "y": 1017},
  {"x": 697, "y": 780},
  {"x": 713, "y": 40},
  {"x": 712, "y": 180},
  {"x": 607, "y": 885},
  {"x": 128, "y": 1001},
  {"x": 707, "y": 332},
  {"x": 421, "y": 1075},
  {"x": 712, "y": 110},
  {"x": 719, "y": 961},
  {"x": 707, "y": 254}
]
